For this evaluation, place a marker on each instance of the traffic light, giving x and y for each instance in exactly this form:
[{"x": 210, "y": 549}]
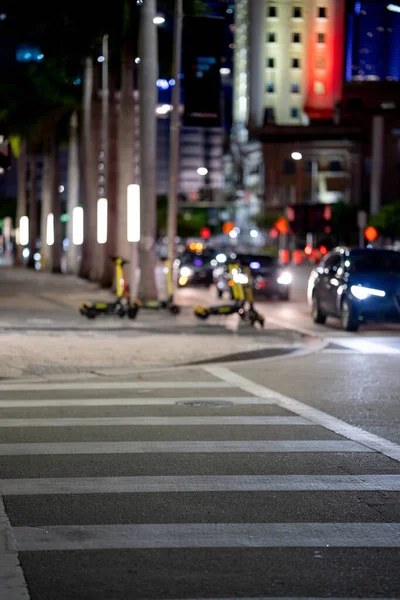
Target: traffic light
[{"x": 309, "y": 218}]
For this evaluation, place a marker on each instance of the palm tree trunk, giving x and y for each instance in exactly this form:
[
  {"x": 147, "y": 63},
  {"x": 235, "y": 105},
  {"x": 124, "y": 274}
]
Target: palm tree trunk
[
  {"x": 112, "y": 190},
  {"x": 22, "y": 196},
  {"x": 101, "y": 250},
  {"x": 88, "y": 171},
  {"x": 33, "y": 212},
  {"x": 126, "y": 150},
  {"x": 148, "y": 102},
  {"x": 56, "y": 248},
  {"x": 73, "y": 191},
  {"x": 47, "y": 190}
]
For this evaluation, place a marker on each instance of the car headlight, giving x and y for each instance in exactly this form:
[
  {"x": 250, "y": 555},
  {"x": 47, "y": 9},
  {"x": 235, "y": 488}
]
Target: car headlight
[
  {"x": 361, "y": 293},
  {"x": 186, "y": 272},
  {"x": 285, "y": 278}
]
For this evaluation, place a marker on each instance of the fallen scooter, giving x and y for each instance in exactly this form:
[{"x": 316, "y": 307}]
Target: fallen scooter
[
  {"x": 121, "y": 306},
  {"x": 243, "y": 305}
]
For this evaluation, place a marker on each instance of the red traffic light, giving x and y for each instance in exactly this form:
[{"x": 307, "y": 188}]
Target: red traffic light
[{"x": 205, "y": 233}]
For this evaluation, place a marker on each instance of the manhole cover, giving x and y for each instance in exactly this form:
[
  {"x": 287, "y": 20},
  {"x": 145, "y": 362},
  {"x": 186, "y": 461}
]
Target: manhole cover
[{"x": 196, "y": 403}]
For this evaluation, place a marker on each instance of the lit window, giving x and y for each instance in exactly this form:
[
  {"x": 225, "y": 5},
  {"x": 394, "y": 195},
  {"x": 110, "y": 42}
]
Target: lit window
[
  {"x": 319, "y": 88},
  {"x": 297, "y": 12},
  {"x": 295, "y": 88},
  {"x": 270, "y": 87},
  {"x": 322, "y": 12},
  {"x": 294, "y": 112},
  {"x": 271, "y": 63},
  {"x": 320, "y": 62},
  {"x": 272, "y": 37},
  {"x": 295, "y": 63},
  {"x": 321, "y": 38},
  {"x": 296, "y": 38},
  {"x": 272, "y": 12}
]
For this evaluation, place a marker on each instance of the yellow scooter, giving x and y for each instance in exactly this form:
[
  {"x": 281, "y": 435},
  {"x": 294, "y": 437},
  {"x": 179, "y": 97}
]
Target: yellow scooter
[
  {"x": 122, "y": 305},
  {"x": 242, "y": 291}
]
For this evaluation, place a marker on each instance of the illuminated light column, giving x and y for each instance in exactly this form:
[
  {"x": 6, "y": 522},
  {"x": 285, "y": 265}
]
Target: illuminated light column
[
  {"x": 24, "y": 231},
  {"x": 50, "y": 229},
  {"x": 77, "y": 226},
  {"x": 102, "y": 220},
  {"x": 257, "y": 67}
]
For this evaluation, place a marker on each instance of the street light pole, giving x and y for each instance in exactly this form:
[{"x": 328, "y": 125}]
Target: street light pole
[{"x": 174, "y": 147}]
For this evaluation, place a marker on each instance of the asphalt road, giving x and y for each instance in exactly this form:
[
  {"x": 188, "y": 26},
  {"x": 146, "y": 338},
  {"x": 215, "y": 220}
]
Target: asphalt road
[{"x": 218, "y": 484}]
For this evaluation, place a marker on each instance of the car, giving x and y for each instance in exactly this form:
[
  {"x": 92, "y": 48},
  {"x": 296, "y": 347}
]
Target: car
[
  {"x": 360, "y": 285},
  {"x": 196, "y": 268},
  {"x": 269, "y": 277}
]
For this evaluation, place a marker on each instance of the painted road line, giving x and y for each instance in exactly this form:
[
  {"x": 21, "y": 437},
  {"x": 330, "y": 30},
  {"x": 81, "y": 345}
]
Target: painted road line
[
  {"x": 286, "y": 598},
  {"x": 209, "y": 535},
  {"x": 200, "y": 483},
  {"x": 12, "y": 581},
  {"x": 355, "y": 434},
  {"x": 186, "y": 447},
  {"x": 364, "y": 346},
  {"x": 114, "y": 385},
  {"x": 144, "y": 401},
  {"x": 152, "y": 421}
]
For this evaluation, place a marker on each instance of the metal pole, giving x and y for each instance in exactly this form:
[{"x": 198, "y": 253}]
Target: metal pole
[{"x": 174, "y": 147}]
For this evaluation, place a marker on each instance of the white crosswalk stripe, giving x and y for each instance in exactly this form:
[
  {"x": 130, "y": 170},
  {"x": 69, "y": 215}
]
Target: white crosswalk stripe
[{"x": 156, "y": 473}]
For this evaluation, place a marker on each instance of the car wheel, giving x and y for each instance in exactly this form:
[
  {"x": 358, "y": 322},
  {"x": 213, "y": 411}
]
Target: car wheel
[
  {"x": 317, "y": 315},
  {"x": 348, "y": 319}
]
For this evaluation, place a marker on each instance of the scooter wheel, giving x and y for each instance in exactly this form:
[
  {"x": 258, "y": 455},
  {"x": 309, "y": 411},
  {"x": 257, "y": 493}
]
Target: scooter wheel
[
  {"x": 132, "y": 312},
  {"x": 121, "y": 313},
  {"x": 91, "y": 313},
  {"x": 174, "y": 309}
]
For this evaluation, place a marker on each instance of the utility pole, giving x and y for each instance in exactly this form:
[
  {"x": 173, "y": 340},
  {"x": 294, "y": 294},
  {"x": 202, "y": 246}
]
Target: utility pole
[{"x": 174, "y": 146}]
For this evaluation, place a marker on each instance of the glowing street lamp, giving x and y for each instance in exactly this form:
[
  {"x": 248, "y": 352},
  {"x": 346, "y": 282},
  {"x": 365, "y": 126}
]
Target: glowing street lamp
[
  {"x": 202, "y": 171},
  {"x": 158, "y": 20},
  {"x": 297, "y": 155}
]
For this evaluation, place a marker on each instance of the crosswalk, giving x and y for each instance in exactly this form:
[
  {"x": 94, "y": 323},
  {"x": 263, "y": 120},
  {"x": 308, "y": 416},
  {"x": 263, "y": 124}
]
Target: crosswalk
[{"x": 197, "y": 483}]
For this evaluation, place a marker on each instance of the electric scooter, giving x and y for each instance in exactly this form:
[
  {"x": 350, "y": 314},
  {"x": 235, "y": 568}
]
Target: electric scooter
[
  {"x": 242, "y": 291},
  {"x": 122, "y": 305}
]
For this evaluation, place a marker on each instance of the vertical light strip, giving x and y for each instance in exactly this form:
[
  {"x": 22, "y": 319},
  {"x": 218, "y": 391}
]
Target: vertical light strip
[
  {"x": 50, "y": 229},
  {"x": 133, "y": 213},
  {"x": 102, "y": 220},
  {"x": 77, "y": 226},
  {"x": 24, "y": 231}
]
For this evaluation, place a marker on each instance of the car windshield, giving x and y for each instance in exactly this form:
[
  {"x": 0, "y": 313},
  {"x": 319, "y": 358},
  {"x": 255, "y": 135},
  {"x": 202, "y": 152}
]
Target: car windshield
[
  {"x": 386, "y": 262},
  {"x": 197, "y": 258},
  {"x": 255, "y": 261}
]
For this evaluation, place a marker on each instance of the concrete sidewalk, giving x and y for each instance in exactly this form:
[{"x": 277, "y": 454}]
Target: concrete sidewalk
[{"x": 42, "y": 332}]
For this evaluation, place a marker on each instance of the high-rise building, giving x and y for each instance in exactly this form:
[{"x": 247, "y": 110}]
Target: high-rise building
[
  {"x": 288, "y": 59},
  {"x": 290, "y": 144}
]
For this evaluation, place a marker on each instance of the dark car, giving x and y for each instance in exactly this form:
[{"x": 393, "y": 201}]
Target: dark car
[
  {"x": 196, "y": 268},
  {"x": 269, "y": 277},
  {"x": 357, "y": 286}
]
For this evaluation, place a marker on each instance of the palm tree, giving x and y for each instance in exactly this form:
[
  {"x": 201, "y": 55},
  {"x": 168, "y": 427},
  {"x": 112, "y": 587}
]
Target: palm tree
[
  {"x": 73, "y": 191},
  {"x": 22, "y": 197},
  {"x": 126, "y": 143},
  {"x": 148, "y": 168}
]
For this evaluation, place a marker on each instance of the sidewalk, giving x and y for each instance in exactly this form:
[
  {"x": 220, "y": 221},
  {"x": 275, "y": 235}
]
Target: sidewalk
[{"x": 42, "y": 332}]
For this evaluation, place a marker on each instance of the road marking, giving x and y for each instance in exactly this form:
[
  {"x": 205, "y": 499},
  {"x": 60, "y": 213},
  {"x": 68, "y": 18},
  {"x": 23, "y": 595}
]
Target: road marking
[
  {"x": 285, "y": 598},
  {"x": 200, "y": 483},
  {"x": 187, "y": 447},
  {"x": 152, "y": 421},
  {"x": 12, "y": 581},
  {"x": 55, "y": 402},
  {"x": 356, "y": 434},
  {"x": 114, "y": 385},
  {"x": 364, "y": 346},
  {"x": 209, "y": 535}
]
